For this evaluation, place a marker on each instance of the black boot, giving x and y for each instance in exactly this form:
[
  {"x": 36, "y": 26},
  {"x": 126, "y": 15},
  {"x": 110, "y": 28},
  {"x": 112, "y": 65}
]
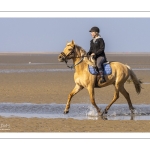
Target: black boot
[{"x": 102, "y": 77}]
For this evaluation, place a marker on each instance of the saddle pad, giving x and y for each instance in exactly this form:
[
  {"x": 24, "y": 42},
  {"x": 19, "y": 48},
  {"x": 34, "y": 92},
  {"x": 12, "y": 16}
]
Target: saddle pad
[{"x": 107, "y": 69}]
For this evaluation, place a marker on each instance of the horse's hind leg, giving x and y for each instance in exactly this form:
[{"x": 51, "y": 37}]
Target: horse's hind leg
[
  {"x": 92, "y": 98},
  {"x": 76, "y": 89},
  {"x": 127, "y": 96},
  {"x": 116, "y": 96}
]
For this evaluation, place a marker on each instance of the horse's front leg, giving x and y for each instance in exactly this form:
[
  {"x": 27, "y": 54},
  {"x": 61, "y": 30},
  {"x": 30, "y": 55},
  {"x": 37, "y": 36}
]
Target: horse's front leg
[
  {"x": 92, "y": 98},
  {"x": 76, "y": 89}
]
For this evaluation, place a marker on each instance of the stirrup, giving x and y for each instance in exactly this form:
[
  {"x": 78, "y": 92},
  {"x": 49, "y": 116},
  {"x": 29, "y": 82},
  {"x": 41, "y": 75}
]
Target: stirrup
[{"x": 102, "y": 80}]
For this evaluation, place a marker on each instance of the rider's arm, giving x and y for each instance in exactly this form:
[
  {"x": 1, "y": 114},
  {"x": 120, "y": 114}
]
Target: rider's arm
[
  {"x": 101, "y": 47},
  {"x": 91, "y": 49}
]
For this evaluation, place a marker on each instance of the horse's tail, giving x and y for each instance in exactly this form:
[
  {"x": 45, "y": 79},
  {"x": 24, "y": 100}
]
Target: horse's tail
[{"x": 137, "y": 82}]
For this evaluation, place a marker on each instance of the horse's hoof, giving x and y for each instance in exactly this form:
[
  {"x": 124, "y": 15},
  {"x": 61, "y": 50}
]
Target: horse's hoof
[
  {"x": 133, "y": 111},
  {"x": 66, "y": 111},
  {"x": 104, "y": 112},
  {"x": 104, "y": 117},
  {"x": 99, "y": 113}
]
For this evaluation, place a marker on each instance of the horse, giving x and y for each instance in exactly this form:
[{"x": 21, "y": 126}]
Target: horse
[{"x": 84, "y": 79}]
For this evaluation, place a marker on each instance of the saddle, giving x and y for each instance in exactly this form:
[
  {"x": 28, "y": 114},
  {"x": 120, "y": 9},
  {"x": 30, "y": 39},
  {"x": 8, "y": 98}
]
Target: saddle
[
  {"x": 106, "y": 66},
  {"x": 94, "y": 70}
]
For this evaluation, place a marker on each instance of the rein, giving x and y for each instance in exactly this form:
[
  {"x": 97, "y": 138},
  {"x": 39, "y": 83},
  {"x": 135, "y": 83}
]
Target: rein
[{"x": 76, "y": 63}]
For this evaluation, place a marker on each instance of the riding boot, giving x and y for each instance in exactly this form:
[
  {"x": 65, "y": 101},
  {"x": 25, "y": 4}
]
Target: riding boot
[{"x": 101, "y": 72}]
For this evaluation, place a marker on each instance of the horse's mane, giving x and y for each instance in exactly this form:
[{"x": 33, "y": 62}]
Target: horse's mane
[
  {"x": 89, "y": 61},
  {"x": 80, "y": 48}
]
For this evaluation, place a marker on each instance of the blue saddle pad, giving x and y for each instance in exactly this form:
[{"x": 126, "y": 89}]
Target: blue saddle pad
[{"x": 107, "y": 69}]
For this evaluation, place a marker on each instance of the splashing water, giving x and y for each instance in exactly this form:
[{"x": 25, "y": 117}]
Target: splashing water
[
  {"x": 77, "y": 111},
  {"x": 91, "y": 111}
]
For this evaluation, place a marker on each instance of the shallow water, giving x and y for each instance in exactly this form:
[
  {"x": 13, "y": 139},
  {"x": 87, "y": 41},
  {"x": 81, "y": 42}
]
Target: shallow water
[
  {"x": 34, "y": 67},
  {"x": 32, "y": 70},
  {"x": 141, "y": 69},
  {"x": 77, "y": 111},
  {"x": 27, "y": 64},
  {"x": 51, "y": 70}
]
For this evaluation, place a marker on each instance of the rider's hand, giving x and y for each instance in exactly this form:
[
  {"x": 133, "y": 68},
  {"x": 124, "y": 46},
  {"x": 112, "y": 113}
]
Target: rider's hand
[
  {"x": 93, "y": 56},
  {"x": 88, "y": 53}
]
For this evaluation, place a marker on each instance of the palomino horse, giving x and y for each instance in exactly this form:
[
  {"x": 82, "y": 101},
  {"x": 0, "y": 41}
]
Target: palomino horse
[{"x": 84, "y": 79}]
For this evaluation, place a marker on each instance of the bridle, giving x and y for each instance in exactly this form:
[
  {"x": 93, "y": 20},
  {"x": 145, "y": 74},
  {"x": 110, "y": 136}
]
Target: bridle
[{"x": 66, "y": 57}]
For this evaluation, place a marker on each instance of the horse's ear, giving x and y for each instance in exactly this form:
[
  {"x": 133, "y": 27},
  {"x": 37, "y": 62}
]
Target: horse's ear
[{"x": 72, "y": 42}]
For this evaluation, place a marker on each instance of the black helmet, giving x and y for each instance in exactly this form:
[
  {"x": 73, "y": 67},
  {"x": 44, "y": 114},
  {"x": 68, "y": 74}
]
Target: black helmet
[{"x": 94, "y": 29}]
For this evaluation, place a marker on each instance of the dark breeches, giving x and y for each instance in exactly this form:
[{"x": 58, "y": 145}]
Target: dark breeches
[{"x": 100, "y": 60}]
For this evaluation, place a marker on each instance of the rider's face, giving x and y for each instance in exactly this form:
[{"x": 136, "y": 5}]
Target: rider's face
[{"x": 93, "y": 34}]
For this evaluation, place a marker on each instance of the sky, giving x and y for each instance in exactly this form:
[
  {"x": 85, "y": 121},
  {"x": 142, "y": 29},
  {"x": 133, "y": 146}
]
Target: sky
[{"x": 121, "y": 35}]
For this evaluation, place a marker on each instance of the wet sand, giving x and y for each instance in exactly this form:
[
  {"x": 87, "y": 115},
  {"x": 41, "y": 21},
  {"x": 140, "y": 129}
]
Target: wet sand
[{"x": 36, "y": 85}]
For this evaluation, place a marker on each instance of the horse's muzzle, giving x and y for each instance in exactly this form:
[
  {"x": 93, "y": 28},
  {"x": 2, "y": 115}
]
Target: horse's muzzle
[{"x": 61, "y": 58}]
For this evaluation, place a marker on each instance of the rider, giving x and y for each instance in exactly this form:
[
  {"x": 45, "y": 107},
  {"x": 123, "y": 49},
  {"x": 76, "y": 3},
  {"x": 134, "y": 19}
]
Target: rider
[{"x": 97, "y": 46}]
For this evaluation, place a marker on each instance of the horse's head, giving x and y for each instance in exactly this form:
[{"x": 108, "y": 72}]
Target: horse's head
[
  {"x": 71, "y": 51},
  {"x": 68, "y": 52}
]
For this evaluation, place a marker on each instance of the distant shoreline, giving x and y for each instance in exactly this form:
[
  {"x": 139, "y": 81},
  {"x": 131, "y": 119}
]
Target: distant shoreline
[
  {"x": 29, "y": 53},
  {"x": 26, "y": 53}
]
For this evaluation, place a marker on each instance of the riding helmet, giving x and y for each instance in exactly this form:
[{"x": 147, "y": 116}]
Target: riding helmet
[{"x": 94, "y": 29}]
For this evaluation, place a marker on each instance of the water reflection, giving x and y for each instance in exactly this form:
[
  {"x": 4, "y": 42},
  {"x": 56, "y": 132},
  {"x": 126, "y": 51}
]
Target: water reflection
[{"x": 129, "y": 117}]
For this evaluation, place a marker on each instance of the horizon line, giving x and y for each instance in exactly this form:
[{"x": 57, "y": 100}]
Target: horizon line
[{"x": 60, "y": 52}]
